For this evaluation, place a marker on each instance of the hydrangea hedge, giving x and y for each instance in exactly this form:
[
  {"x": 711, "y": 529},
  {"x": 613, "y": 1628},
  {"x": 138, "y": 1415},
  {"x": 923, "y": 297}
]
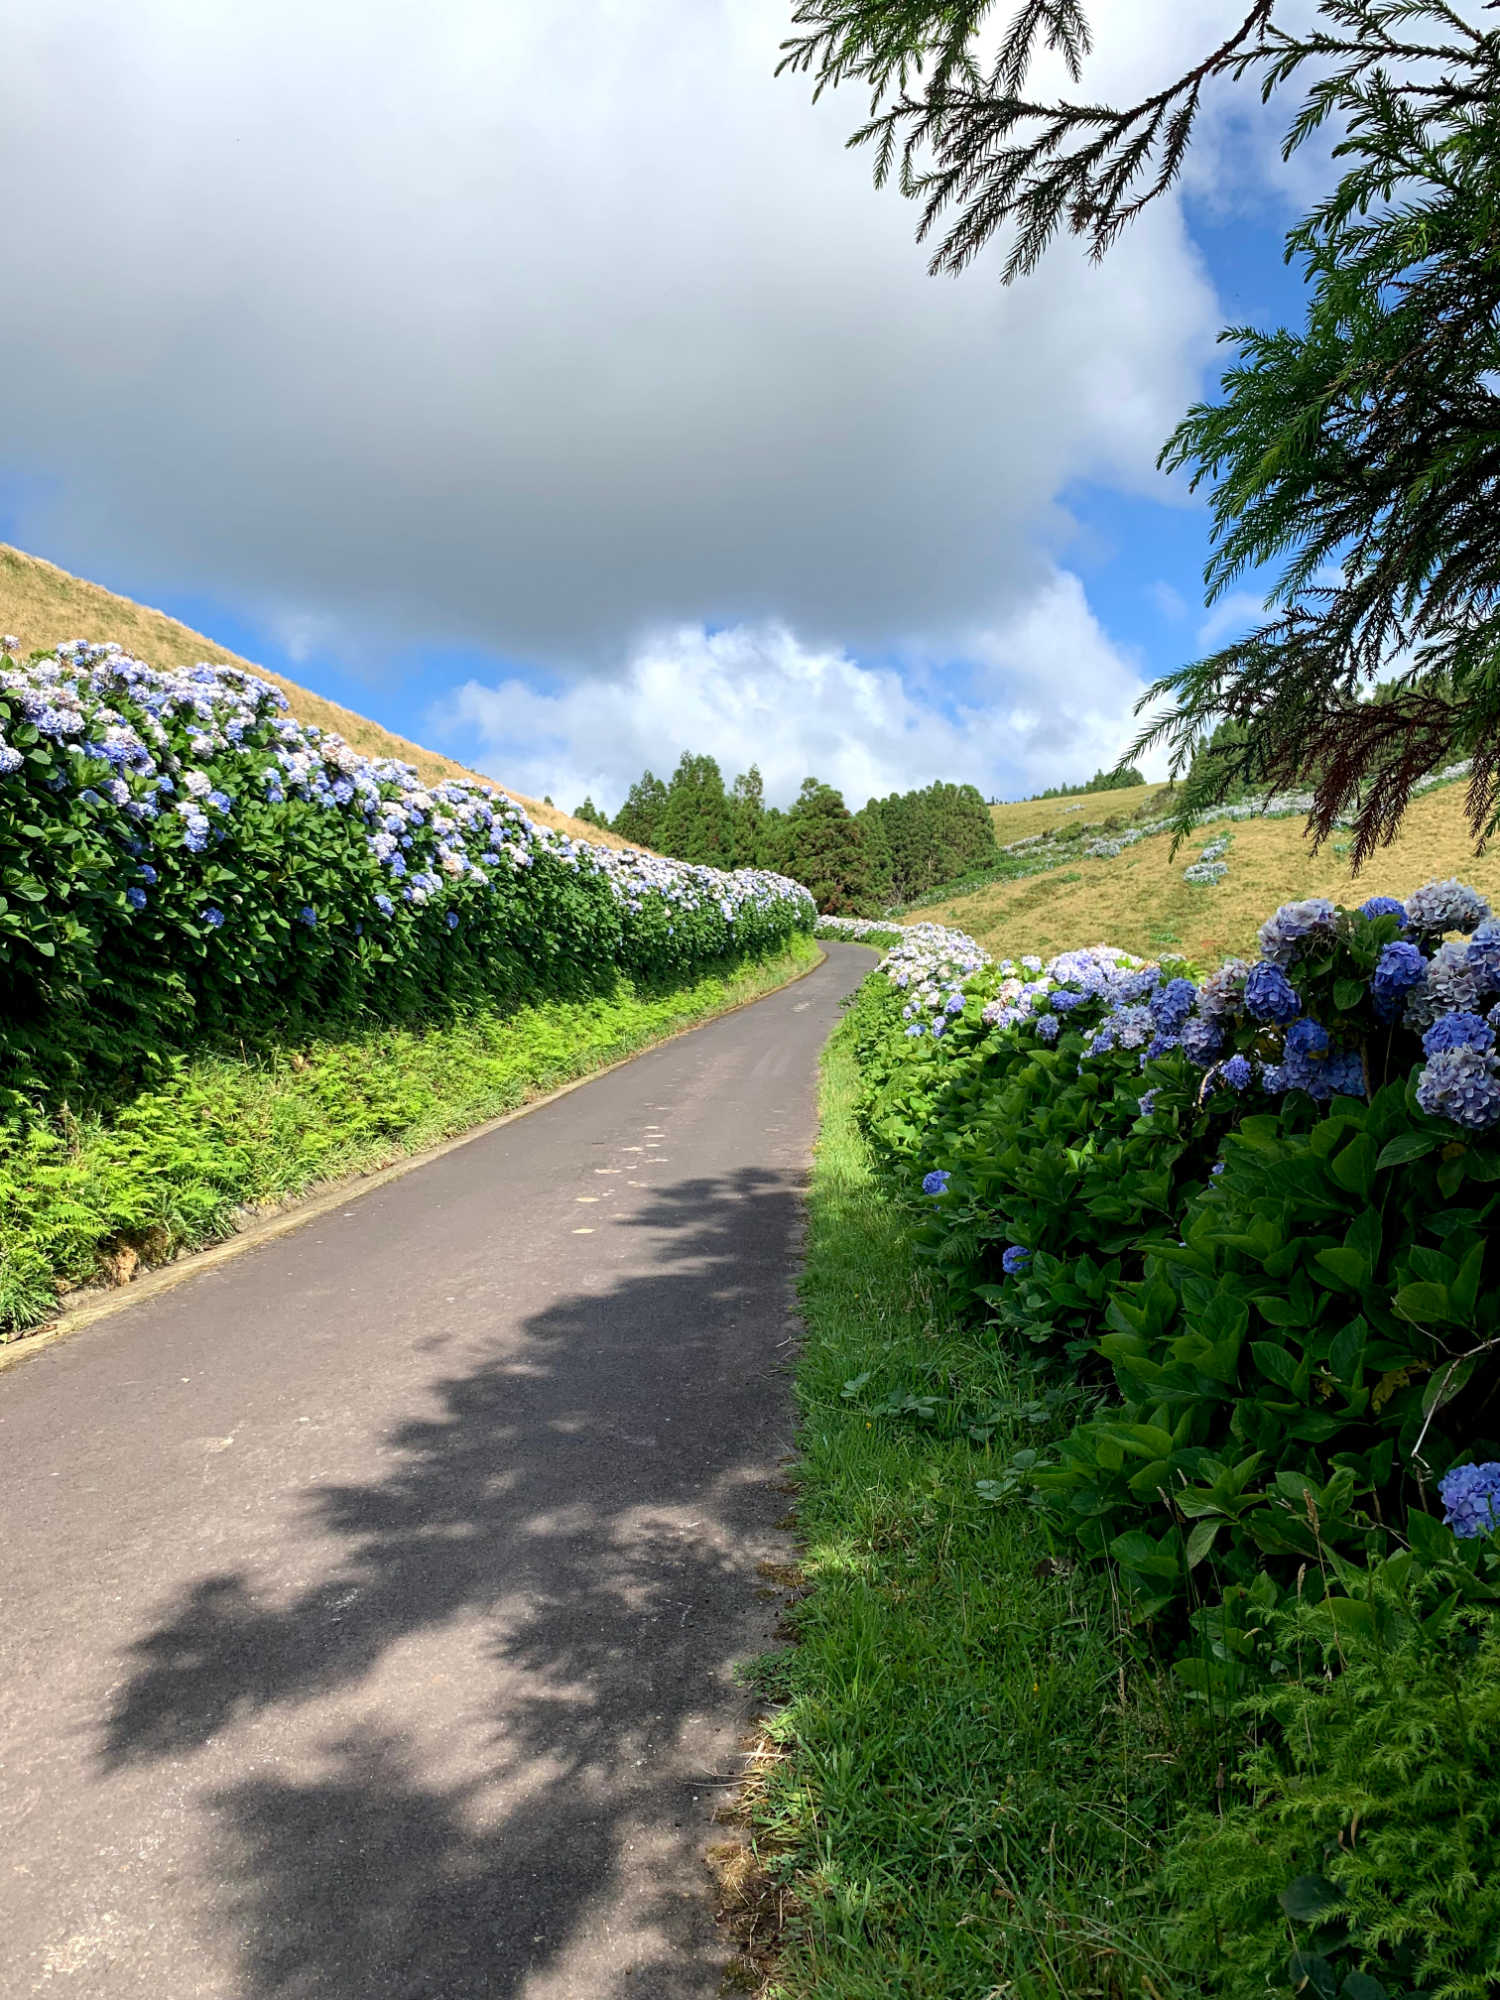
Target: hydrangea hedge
[
  {"x": 181, "y": 860},
  {"x": 1256, "y": 1205},
  {"x": 1252, "y": 1214}
]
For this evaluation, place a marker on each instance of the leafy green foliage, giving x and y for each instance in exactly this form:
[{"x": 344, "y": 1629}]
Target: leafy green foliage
[
  {"x": 972, "y": 1781},
  {"x": 180, "y": 866},
  {"x": 1358, "y": 1859},
  {"x": 1288, "y": 1312},
  {"x": 1258, "y": 1329}
]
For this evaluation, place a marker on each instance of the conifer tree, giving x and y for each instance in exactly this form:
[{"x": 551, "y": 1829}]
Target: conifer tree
[
  {"x": 697, "y": 821},
  {"x": 825, "y": 851},
  {"x": 1363, "y": 454},
  {"x": 639, "y": 819},
  {"x": 747, "y": 815}
]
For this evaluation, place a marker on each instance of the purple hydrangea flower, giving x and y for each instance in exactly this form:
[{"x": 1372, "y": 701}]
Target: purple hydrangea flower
[
  {"x": 1471, "y": 1499},
  {"x": 1160, "y": 1045},
  {"x": 1172, "y": 1005},
  {"x": 1015, "y": 1261},
  {"x": 1458, "y": 1031},
  {"x": 1201, "y": 1040},
  {"x": 1446, "y": 906},
  {"x": 384, "y": 905},
  {"x": 136, "y": 898},
  {"x": 1222, "y": 993},
  {"x": 1237, "y": 1073},
  {"x": 1399, "y": 968},
  {"x": 1461, "y": 1084},
  {"x": 1133, "y": 1027},
  {"x": 1454, "y": 979},
  {"x": 936, "y": 1182},
  {"x": 212, "y": 917},
  {"x": 308, "y": 915},
  {"x": 1484, "y": 956},
  {"x": 1269, "y": 994},
  {"x": 451, "y": 920},
  {"x": 1064, "y": 1000},
  {"x": 1049, "y": 1027},
  {"x": 1383, "y": 906},
  {"x": 955, "y": 1003},
  {"x": 1283, "y": 935},
  {"x": 1345, "y": 1075},
  {"x": 1148, "y": 1103}
]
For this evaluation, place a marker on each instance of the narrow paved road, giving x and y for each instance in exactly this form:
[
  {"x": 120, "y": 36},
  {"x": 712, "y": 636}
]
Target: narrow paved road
[{"x": 369, "y": 1604}]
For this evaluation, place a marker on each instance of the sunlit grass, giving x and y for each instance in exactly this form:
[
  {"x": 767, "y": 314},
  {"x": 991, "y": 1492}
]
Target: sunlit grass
[
  {"x": 1140, "y": 901},
  {"x": 973, "y": 1780}
]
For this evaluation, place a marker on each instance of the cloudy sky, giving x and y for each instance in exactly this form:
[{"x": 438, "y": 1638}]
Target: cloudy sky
[{"x": 550, "y": 383}]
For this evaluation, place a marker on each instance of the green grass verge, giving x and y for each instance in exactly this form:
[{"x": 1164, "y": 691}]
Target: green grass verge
[
  {"x": 169, "y": 1171},
  {"x": 975, "y": 1775}
]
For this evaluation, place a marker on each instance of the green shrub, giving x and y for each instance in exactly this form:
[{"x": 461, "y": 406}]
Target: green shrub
[
  {"x": 180, "y": 864},
  {"x": 1359, "y": 1858}
]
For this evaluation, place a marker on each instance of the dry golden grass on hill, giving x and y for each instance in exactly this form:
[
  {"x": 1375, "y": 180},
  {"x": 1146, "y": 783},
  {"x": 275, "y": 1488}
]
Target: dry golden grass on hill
[
  {"x": 1140, "y": 901},
  {"x": 43, "y": 605},
  {"x": 1032, "y": 816}
]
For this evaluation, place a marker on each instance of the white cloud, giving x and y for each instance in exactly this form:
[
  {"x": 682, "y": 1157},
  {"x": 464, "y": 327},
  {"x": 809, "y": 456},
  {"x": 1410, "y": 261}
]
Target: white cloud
[
  {"x": 1232, "y": 615},
  {"x": 1044, "y": 697},
  {"x": 537, "y": 327}
]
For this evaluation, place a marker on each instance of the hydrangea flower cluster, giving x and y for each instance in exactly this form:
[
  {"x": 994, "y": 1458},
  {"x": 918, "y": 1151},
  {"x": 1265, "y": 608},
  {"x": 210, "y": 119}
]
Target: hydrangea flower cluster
[
  {"x": 1471, "y": 1499},
  {"x": 930, "y": 965},
  {"x": 154, "y": 769},
  {"x": 854, "y": 930}
]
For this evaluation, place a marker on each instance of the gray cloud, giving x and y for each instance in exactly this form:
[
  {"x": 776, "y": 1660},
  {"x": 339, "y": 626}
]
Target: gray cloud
[{"x": 436, "y": 320}]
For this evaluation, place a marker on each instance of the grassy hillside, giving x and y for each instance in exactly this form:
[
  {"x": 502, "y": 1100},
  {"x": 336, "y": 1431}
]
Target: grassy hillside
[
  {"x": 1140, "y": 901},
  {"x": 43, "y": 605},
  {"x": 1029, "y": 817}
]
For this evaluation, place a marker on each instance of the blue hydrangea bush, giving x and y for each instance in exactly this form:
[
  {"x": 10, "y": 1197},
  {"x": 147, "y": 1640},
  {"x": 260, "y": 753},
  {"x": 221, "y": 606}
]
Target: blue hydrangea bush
[
  {"x": 1252, "y": 1209},
  {"x": 181, "y": 861},
  {"x": 1241, "y": 1225}
]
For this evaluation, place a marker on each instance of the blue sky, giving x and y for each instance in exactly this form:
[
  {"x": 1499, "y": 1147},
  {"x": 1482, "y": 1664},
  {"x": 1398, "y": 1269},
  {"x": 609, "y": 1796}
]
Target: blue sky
[{"x": 559, "y": 391}]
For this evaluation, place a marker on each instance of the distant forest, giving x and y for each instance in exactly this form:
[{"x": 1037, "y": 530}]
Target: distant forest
[
  {"x": 890, "y": 852},
  {"x": 1121, "y": 779}
]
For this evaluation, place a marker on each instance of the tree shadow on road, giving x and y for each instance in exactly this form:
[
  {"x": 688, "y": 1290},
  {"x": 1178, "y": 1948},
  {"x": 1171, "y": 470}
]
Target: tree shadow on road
[{"x": 583, "y": 1515}]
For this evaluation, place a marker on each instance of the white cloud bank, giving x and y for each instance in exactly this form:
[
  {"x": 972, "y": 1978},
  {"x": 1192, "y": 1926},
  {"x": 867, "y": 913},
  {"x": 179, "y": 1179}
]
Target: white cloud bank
[
  {"x": 404, "y": 324},
  {"x": 1045, "y": 694},
  {"x": 537, "y": 327}
]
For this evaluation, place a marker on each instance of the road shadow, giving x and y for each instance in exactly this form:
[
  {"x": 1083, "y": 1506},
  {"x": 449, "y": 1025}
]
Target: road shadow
[{"x": 592, "y": 1497}]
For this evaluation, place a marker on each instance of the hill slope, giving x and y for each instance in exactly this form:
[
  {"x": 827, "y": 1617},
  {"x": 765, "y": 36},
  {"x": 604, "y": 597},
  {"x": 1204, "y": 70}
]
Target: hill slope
[
  {"x": 1140, "y": 901},
  {"x": 43, "y": 605}
]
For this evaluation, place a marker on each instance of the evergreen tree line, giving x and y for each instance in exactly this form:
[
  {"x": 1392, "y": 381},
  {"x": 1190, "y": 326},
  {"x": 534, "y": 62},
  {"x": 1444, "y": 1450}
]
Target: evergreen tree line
[
  {"x": 856, "y": 864},
  {"x": 1122, "y": 778}
]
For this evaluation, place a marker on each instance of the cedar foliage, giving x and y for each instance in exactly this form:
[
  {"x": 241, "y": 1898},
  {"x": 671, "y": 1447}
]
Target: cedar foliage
[{"x": 1360, "y": 455}]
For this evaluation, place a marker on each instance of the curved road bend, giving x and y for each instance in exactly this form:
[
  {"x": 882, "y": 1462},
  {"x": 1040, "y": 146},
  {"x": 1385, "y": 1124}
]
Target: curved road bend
[{"x": 368, "y": 1604}]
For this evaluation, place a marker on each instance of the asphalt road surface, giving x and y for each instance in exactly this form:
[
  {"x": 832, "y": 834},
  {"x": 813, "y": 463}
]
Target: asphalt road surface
[{"x": 369, "y": 1603}]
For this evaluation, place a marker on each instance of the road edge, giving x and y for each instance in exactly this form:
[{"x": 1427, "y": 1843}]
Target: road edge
[{"x": 334, "y": 1194}]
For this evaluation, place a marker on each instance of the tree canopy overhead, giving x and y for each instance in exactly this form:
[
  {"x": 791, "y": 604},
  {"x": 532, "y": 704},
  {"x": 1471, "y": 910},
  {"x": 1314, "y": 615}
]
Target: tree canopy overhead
[
  {"x": 1360, "y": 456},
  {"x": 981, "y": 153}
]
